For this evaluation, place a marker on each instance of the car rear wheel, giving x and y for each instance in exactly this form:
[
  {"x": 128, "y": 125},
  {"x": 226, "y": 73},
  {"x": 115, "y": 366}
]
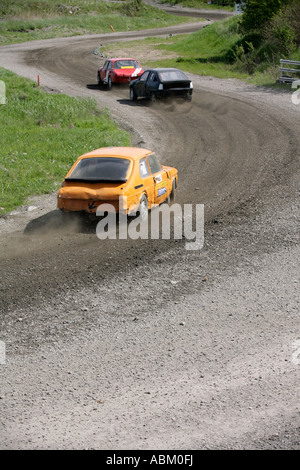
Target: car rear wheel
[
  {"x": 171, "y": 197},
  {"x": 143, "y": 208},
  {"x": 153, "y": 97},
  {"x": 132, "y": 94},
  {"x": 173, "y": 191}
]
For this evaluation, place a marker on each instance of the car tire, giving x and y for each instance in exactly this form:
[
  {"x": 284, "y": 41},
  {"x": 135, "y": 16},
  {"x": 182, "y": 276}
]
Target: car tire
[
  {"x": 109, "y": 82},
  {"x": 99, "y": 80},
  {"x": 143, "y": 208},
  {"x": 173, "y": 191},
  {"x": 153, "y": 97},
  {"x": 132, "y": 94}
]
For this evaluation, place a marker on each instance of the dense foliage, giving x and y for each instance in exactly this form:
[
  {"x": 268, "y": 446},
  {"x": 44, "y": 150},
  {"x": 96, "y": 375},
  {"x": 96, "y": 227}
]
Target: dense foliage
[
  {"x": 258, "y": 12},
  {"x": 271, "y": 30}
]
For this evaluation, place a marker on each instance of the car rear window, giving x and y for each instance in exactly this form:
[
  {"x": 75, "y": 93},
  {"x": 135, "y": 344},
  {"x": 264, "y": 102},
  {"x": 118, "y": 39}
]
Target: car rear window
[
  {"x": 170, "y": 75},
  {"x": 100, "y": 169},
  {"x": 126, "y": 64}
]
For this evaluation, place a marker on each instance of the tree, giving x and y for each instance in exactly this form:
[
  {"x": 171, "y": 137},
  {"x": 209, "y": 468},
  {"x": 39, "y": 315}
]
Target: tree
[{"x": 257, "y": 13}]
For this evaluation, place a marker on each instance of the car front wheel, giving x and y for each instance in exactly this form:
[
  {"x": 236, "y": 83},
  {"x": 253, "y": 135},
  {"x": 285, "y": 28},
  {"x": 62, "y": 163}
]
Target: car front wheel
[
  {"x": 173, "y": 191},
  {"x": 109, "y": 82}
]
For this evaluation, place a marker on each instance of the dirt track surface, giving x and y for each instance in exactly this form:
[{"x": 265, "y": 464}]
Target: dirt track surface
[{"x": 144, "y": 344}]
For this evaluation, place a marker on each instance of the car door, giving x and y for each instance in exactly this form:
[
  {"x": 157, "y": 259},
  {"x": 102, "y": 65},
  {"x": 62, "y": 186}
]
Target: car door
[
  {"x": 143, "y": 184},
  {"x": 147, "y": 179},
  {"x": 107, "y": 72},
  {"x": 103, "y": 71},
  {"x": 151, "y": 84},
  {"x": 160, "y": 179},
  {"x": 139, "y": 87}
]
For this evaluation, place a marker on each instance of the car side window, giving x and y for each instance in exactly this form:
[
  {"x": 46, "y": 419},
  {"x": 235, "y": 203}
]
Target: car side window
[
  {"x": 144, "y": 171},
  {"x": 153, "y": 163},
  {"x": 152, "y": 77},
  {"x": 109, "y": 65},
  {"x": 144, "y": 76}
]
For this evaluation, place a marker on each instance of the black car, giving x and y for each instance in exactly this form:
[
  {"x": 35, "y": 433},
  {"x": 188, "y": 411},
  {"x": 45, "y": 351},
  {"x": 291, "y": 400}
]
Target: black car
[{"x": 157, "y": 83}]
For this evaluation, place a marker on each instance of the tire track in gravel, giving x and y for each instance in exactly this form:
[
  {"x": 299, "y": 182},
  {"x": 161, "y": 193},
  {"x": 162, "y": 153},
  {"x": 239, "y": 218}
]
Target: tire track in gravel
[
  {"x": 147, "y": 345},
  {"x": 226, "y": 151}
]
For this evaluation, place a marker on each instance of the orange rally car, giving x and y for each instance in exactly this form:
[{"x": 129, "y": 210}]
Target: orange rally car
[{"x": 109, "y": 175}]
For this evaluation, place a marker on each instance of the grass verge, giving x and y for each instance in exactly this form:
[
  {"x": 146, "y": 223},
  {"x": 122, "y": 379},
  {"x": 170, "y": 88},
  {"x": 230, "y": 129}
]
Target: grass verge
[
  {"x": 22, "y": 21},
  {"x": 42, "y": 135}
]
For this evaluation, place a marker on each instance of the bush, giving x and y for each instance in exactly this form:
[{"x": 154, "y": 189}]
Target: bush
[
  {"x": 272, "y": 27},
  {"x": 282, "y": 30},
  {"x": 245, "y": 57},
  {"x": 258, "y": 13},
  {"x": 291, "y": 16}
]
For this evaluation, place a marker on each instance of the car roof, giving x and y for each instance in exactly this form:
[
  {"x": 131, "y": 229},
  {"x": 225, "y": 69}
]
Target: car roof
[
  {"x": 133, "y": 153},
  {"x": 165, "y": 69},
  {"x": 122, "y": 58}
]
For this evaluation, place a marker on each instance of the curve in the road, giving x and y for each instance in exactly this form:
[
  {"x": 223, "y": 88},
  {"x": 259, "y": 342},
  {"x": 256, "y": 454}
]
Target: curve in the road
[{"x": 227, "y": 151}]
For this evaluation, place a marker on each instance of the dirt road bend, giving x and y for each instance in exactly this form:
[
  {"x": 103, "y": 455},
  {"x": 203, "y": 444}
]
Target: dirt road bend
[{"x": 123, "y": 344}]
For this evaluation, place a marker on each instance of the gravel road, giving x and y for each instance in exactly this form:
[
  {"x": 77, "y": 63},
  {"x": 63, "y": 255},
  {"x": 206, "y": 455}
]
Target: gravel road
[{"x": 123, "y": 344}]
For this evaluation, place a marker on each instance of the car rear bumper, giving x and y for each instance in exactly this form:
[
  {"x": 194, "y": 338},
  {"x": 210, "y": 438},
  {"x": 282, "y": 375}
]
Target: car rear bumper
[
  {"x": 184, "y": 92},
  {"x": 89, "y": 206}
]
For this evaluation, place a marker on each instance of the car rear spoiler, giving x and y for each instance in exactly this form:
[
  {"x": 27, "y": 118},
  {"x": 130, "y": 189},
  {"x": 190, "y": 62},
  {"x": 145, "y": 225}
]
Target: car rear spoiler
[{"x": 95, "y": 180}]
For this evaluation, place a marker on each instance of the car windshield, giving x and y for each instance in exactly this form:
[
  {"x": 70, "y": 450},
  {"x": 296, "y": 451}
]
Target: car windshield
[
  {"x": 171, "y": 75},
  {"x": 126, "y": 64},
  {"x": 98, "y": 169}
]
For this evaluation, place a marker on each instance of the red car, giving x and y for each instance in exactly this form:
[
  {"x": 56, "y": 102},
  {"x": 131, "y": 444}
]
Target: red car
[{"x": 120, "y": 70}]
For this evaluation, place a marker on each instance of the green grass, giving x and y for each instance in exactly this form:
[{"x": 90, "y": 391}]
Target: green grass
[
  {"x": 42, "y": 135},
  {"x": 37, "y": 19},
  {"x": 211, "y": 43},
  {"x": 210, "y": 52},
  {"x": 205, "y": 52}
]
